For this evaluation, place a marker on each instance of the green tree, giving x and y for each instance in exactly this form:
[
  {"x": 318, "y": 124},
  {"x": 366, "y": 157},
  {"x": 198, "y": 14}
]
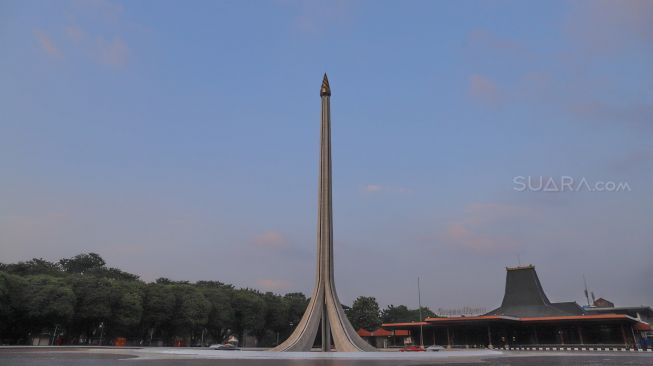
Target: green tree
[
  {"x": 35, "y": 266},
  {"x": 12, "y": 301},
  {"x": 93, "y": 305},
  {"x": 396, "y": 314},
  {"x": 163, "y": 281},
  {"x": 249, "y": 312},
  {"x": 221, "y": 313},
  {"x": 276, "y": 318},
  {"x": 401, "y": 314},
  {"x": 126, "y": 301},
  {"x": 364, "y": 313},
  {"x": 49, "y": 301},
  {"x": 7, "y": 298},
  {"x": 426, "y": 313},
  {"x": 191, "y": 311},
  {"x": 158, "y": 310},
  {"x": 81, "y": 292},
  {"x": 82, "y": 263},
  {"x": 297, "y": 304},
  {"x": 112, "y": 273}
]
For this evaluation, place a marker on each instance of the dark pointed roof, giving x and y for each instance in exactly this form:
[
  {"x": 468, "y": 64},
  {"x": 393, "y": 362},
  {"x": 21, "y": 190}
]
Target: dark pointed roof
[
  {"x": 525, "y": 297},
  {"x": 325, "y": 89},
  {"x": 570, "y": 307}
]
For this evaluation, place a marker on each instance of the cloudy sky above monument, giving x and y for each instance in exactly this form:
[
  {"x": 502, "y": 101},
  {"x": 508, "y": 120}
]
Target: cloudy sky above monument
[{"x": 182, "y": 142}]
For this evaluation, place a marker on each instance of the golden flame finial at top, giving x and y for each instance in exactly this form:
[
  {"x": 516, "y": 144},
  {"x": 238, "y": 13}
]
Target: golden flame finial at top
[{"x": 325, "y": 89}]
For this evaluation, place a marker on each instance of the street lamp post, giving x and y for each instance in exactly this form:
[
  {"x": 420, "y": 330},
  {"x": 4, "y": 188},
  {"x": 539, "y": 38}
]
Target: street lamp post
[
  {"x": 101, "y": 332},
  {"x": 419, "y": 303},
  {"x": 54, "y": 335}
]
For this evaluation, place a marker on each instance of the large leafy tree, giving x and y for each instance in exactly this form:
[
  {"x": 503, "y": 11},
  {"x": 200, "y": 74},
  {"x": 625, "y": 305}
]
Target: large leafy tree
[
  {"x": 249, "y": 312},
  {"x": 297, "y": 304},
  {"x": 8, "y": 285},
  {"x": 126, "y": 302},
  {"x": 364, "y": 313},
  {"x": 93, "y": 305},
  {"x": 191, "y": 310},
  {"x": 81, "y": 292},
  {"x": 159, "y": 303},
  {"x": 48, "y": 301},
  {"x": 401, "y": 314},
  {"x": 396, "y": 314},
  {"x": 426, "y": 313},
  {"x": 82, "y": 263},
  {"x": 113, "y": 273},
  {"x": 35, "y": 266},
  {"x": 276, "y": 318},
  {"x": 221, "y": 313},
  {"x": 12, "y": 301}
]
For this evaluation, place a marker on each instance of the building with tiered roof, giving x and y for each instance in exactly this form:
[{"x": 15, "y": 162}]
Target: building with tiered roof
[{"x": 527, "y": 317}]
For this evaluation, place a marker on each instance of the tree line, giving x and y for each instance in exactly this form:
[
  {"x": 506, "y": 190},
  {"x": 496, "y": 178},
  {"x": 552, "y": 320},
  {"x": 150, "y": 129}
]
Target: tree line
[{"x": 80, "y": 300}]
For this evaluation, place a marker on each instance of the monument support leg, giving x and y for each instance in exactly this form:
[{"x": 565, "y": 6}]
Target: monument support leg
[{"x": 326, "y": 332}]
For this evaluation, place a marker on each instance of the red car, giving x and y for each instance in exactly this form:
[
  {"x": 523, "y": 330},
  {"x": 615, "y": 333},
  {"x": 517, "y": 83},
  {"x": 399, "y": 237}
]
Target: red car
[{"x": 412, "y": 348}]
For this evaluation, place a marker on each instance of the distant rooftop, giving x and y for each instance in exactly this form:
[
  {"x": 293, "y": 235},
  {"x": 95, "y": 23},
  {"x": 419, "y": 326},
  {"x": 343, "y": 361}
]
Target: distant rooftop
[
  {"x": 525, "y": 297},
  {"x": 528, "y": 266}
]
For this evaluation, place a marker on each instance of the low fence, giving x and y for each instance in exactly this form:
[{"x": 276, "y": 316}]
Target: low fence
[
  {"x": 584, "y": 348},
  {"x": 559, "y": 347}
]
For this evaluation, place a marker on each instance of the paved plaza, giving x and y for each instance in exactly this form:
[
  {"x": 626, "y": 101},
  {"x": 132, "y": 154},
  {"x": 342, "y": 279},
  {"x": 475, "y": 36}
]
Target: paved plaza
[{"x": 74, "y": 356}]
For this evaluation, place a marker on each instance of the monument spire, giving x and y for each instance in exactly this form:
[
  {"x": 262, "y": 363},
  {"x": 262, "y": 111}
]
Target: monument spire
[
  {"x": 325, "y": 89},
  {"x": 324, "y": 311}
]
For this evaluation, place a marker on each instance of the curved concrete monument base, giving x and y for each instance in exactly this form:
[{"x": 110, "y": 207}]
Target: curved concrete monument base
[{"x": 324, "y": 310}]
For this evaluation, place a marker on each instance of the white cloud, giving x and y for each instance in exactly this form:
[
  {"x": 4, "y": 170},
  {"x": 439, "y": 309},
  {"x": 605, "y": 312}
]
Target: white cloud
[
  {"x": 481, "y": 228},
  {"x": 484, "y": 89},
  {"x": 272, "y": 240},
  {"x": 113, "y": 53},
  {"x": 75, "y": 33},
  {"x": 315, "y": 16},
  {"x": 377, "y": 188},
  {"x": 371, "y": 188},
  {"x": 47, "y": 44}
]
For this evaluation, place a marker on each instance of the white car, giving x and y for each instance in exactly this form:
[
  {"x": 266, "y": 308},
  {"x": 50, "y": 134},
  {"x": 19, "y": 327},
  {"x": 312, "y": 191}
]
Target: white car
[
  {"x": 434, "y": 348},
  {"x": 224, "y": 347}
]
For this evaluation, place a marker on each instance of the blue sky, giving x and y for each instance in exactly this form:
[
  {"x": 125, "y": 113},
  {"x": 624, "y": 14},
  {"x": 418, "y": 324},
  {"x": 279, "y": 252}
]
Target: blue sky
[{"x": 181, "y": 141}]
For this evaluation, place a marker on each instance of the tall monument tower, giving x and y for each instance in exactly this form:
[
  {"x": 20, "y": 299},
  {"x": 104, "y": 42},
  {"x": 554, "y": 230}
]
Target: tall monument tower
[{"x": 324, "y": 310}]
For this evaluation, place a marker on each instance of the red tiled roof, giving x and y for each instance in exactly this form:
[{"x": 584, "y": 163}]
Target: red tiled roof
[
  {"x": 364, "y": 332},
  {"x": 577, "y": 317},
  {"x": 642, "y": 327},
  {"x": 380, "y": 332},
  {"x": 411, "y": 324},
  {"x": 462, "y": 319},
  {"x": 465, "y": 318}
]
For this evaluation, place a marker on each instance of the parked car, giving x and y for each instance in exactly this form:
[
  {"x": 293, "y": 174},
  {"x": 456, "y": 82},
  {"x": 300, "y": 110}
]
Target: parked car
[
  {"x": 224, "y": 347},
  {"x": 434, "y": 348},
  {"x": 412, "y": 348}
]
